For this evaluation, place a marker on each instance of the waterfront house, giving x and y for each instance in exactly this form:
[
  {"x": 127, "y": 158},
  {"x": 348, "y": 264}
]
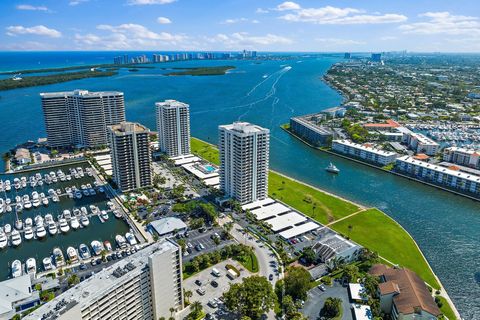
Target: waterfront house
[
  {"x": 22, "y": 156},
  {"x": 404, "y": 295}
]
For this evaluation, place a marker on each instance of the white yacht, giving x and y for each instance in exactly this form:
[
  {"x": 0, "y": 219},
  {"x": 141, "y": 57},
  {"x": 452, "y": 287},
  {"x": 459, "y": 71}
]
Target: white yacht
[
  {"x": 36, "y": 199},
  {"x": 16, "y": 268},
  {"x": 67, "y": 214},
  {"x": 131, "y": 238},
  {"x": 19, "y": 224},
  {"x": 72, "y": 254},
  {"x": 74, "y": 223},
  {"x": 31, "y": 266},
  {"x": 7, "y": 228},
  {"x": 104, "y": 215},
  {"x": 84, "y": 220},
  {"x": 28, "y": 222},
  {"x": 52, "y": 228},
  {"x": 97, "y": 247},
  {"x": 38, "y": 220},
  {"x": 26, "y": 202},
  {"x": 3, "y": 240},
  {"x": 64, "y": 227},
  {"x": 7, "y": 186},
  {"x": 58, "y": 256},
  {"x": 121, "y": 242},
  {"x": 117, "y": 214},
  {"x": 16, "y": 238},
  {"x": 41, "y": 232},
  {"x": 332, "y": 168},
  {"x": 84, "y": 251},
  {"x": 47, "y": 264},
  {"x": 28, "y": 234},
  {"x": 44, "y": 199}
]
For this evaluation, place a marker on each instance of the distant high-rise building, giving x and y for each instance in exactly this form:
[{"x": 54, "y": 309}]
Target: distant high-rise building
[
  {"x": 144, "y": 286},
  {"x": 80, "y": 118},
  {"x": 131, "y": 158},
  {"x": 376, "y": 57},
  {"x": 173, "y": 126},
  {"x": 347, "y": 55},
  {"x": 244, "y": 161}
]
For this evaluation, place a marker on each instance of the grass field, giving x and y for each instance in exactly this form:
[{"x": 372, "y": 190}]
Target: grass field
[
  {"x": 251, "y": 263},
  {"x": 378, "y": 232},
  {"x": 446, "y": 309},
  {"x": 316, "y": 204},
  {"x": 371, "y": 228}
]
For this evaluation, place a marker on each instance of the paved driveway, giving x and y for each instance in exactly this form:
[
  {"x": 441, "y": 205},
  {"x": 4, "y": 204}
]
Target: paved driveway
[{"x": 316, "y": 299}]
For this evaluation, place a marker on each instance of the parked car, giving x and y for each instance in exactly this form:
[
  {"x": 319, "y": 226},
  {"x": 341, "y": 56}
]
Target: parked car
[
  {"x": 214, "y": 283},
  {"x": 270, "y": 277},
  {"x": 198, "y": 282},
  {"x": 201, "y": 291},
  {"x": 322, "y": 287}
]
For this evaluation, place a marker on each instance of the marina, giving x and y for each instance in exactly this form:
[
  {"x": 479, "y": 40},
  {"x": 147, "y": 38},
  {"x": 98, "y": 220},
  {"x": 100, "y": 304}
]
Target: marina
[{"x": 50, "y": 213}]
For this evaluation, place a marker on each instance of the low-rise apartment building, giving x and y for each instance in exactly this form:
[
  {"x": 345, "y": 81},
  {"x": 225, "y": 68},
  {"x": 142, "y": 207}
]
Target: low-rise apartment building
[
  {"x": 420, "y": 143},
  {"x": 462, "y": 156},
  {"x": 364, "y": 152}
]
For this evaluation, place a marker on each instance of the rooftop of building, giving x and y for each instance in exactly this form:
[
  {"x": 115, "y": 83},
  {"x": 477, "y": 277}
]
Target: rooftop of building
[
  {"x": 98, "y": 284},
  {"x": 243, "y": 127},
  {"x": 423, "y": 138},
  {"x": 388, "y": 124},
  {"x": 171, "y": 104},
  {"x": 167, "y": 225},
  {"x": 78, "y": 92},
  {"x": 469, "y": 151},
  {"x": 411, "y": 293},
  {"x": 129, "y": 127},
  {"x": 369, "y": 148},
  {"x": 13, "y": 290}
]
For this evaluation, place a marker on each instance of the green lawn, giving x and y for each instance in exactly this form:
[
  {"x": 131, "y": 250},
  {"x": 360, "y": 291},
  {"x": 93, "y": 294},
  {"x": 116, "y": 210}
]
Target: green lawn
[
  {"x": 378, "y": 232},
  {"x": 204, "y": 150},
  {"x": 446, "y": 309},
  {"x": 318, "y": 205},
  {"x": 251, "y": 263}
]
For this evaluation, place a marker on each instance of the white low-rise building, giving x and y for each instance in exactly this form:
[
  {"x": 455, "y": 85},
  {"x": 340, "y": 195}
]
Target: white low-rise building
[
  {"x": 364, "y": 152},
  {"x": 462, "y": 156},
  {"x": 421, "y": 143},
  {"x": 461, "y": 181}
]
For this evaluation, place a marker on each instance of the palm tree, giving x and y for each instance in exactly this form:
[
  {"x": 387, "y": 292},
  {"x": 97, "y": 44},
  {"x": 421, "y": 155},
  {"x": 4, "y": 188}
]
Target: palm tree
[
  {"x": 196, "y": 307},
  {"x": 188, "y": 294},
  {"x": 350, "y": 227},
  {"x": 172, "y": 310}
]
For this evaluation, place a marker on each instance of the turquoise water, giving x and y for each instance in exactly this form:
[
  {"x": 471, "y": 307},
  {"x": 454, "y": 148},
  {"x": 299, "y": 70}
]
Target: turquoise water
[{"x": 445, "y": 226}]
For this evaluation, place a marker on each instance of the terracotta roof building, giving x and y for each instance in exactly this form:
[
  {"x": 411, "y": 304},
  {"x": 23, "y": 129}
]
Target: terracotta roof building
[{"x": 404, "y": 295}]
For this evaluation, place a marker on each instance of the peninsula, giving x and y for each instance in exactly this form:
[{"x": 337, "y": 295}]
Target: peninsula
[{"x": 201, "y": 71}]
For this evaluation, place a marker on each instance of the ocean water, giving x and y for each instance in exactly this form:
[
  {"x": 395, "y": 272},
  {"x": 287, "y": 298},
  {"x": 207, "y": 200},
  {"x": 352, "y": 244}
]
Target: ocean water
[{"x": 268, "y": 93}]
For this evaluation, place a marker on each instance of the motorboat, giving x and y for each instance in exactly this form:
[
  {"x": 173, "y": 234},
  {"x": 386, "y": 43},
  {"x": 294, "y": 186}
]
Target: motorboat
[
  {"x": 72, "y": 254},
  {"x": 44, "y": 199},
  {"x": 67, "y": 215},
  {"x": 36, "y": 199},
  {"x": 48, "y": 218},
  {"x": 94, "y": 209},
  {"x": 77, "y": 212},
  {"x": 58, "y": 256},
  {"x": 38, "y": 220},
  {"x": 41, "y": 232},
  {"x": 97, "y": 247},
  {"x": 47, "y": 263},
  {"x": 84, "y": 251},
  {"x": 84, "y": 220},
  {"x": 19, "y": 224},
  {"x": 108, "y": 245},
  {"x": 78, "y": 194},
  {"x": 64, "y": 227},
  {"x": 332, "y": 168},
  {"x": 7, "y": 228},
  {"x": 120, "y": 240},
  {"x": 74, "y": 223},
  {"x": 104, "y": 215},
  {"x": 31, "y": 266},
  {"x": 26, "y": 203},
  {"x": 117, "y": 214},
  {"x": 84, "y": 210},
  {"x": 16, "y": 238},
  {"x": 16, "y": 268},
  {"x": 28, "y": 222},
  {"x": 28, "y": 234},
  {"x": 3, "y": 240},
  {"x": 131, "y": 238},
  {"x": 52, "y": 228}
]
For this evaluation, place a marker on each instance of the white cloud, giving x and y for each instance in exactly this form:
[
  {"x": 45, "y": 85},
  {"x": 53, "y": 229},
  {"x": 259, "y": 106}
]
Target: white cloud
[
  {"x": 444, "y": 23},
  {"x": 39, "y": 30},
  {"x": 128, "y": 36},
  {"x": 31, "y": 8},
  {"x": 148, "y": 2},
  {"x": 163, "y": 20},
  {"x": 77, "y": 2},
  {"x": 288, "y": 5},
  {"x": 336, "y": 42},
  {"x": 238, "y": 20},
  {"x": 388, "y": 38},
  {"x": 244, "y": 40},
  {"x": 335, "y": 15},
  {"x": 261, "y": 11}
]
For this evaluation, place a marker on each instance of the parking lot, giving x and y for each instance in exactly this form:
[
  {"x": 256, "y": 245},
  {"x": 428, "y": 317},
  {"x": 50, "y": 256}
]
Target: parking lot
[
  {"x": 316, "y": 299},
  {"x": 211, "y": 292},
  {"x": 203, "y": 240}
]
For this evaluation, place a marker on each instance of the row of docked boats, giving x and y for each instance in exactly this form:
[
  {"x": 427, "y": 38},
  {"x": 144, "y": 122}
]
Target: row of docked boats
[
  {"x": 84, "y": 252},
  {"x": 48, "y": 178}
]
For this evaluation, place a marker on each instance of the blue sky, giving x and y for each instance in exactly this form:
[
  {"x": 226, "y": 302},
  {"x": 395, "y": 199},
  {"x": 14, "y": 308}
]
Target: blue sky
[{"x": 263, "y": 25}]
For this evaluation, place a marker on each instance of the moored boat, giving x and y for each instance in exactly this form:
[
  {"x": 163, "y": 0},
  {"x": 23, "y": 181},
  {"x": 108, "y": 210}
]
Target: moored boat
[
  {"x": 47, "y": 263},
  {"x": 74, "y": 223},
  {"x": 97, "y": 247},
  {"x": 28, "y": 233},
  {"x": 41, "y": 232},
  {"x": 108, "y": 245},
  {"x": 72, "y": 254},
  {"x": 16, "y": 238},
  {"x": 16, "y": 268},
  {"x": 84, "y": 220},
  {"x": 52, "y": 228},
  {"x": 84, "y": 251},
  {"x": 131, "y": 238},
  {"x": 64, "y": 227},
  {"x": 31, "y": 266},
  {"x": 58, "y": 257},
  {"x": 120, "y": 240},
  {"x": 3, "y": 240}
]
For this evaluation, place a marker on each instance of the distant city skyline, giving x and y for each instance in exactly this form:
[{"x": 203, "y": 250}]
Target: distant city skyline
[{"x": 269, "y": 25}]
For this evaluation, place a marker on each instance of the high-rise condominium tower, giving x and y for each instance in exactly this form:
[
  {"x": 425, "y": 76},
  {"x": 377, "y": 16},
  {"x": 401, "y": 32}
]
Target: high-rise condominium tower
[
  {"x": 244, "y": 156},
  {"x": 144, "y": 286},
  {"x": 131, "y": 158},
  {"x": 80, "y": 118},
  {"x": 173, "y": 125}
]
